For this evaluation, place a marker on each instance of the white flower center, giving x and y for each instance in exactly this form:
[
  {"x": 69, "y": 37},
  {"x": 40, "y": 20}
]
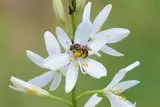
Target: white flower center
[{"x": 117, "y": 90}]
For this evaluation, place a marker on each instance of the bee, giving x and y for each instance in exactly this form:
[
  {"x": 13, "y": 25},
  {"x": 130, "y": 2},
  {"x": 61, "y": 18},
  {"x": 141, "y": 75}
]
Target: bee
[{"x": 79, "y": 50}]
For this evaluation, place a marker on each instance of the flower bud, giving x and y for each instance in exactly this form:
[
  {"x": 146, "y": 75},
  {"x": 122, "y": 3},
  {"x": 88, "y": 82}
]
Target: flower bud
[
  {"x": 80, "y": 4},
  {"x": 25, "y": 87},
  {"x": 59, "y": 11}
]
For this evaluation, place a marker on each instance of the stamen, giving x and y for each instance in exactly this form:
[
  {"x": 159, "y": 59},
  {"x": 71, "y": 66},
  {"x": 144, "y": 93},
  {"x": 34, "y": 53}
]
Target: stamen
[
  {"x": 76, "y": 65},
  {"x": 71, "y": 59},
  {"x": 122, "y": 98},
  {"x": 117, "y": 90},
  {"x": 85, "y": 64}
]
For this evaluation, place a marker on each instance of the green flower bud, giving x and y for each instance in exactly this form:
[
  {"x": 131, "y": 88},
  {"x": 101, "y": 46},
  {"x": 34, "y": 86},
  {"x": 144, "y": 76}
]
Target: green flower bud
[
  {"x": 59, "y": 11},
  {"x": 80, "y": 4}
]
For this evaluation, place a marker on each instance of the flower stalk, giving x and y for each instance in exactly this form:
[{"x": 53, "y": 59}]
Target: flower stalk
[
  {"x": 74, "y": 102},
  {"x": 72, "y": 11},
  {"x": 61, "y": 99},
  {"x": 89, "y": 92}
]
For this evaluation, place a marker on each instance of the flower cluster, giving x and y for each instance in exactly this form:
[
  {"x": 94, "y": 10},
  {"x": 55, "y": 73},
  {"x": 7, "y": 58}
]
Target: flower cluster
[{"x": 87, "y": 39}]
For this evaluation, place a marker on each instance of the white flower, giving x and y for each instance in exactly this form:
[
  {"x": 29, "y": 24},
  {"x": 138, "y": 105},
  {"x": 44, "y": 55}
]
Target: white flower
[
  {"x": 112, "y": 35},
  {"x": 25, "y": 87},
  {"x": 115, "y": 88},
  {"x": 53, "y": 48},
  {"x": 76, "y": 55}
]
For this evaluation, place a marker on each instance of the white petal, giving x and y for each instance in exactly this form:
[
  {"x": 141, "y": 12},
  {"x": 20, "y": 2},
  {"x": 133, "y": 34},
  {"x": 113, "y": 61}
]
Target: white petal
[
  {"x": 106, "y": 49},
  {"x": 125, "y": 85},
  {"x": 83, "y": 33},
  {"x": 38, "y": 60},
  {"x": 114, "y": 35},
  {"x": 18, "y": 83},
  {"x": 63, "y": 38},
  {"x": 132, "y": 66},
  {"x": 93, "y": 101},
  {"x": 118, "y": 101},
  {"x": 55, "y": 62},
  {"x": 87, "y": 12},
  {"x": 101, "y": 18},
  {"x": 65, "y": 69},
  {"x": 80, "y": 66},
  {"x": 94, "y": 68},
  {"x": 56, "y": 81},
  {"x": 96, "y": 45},
  {"x": 52, "y": 44},
  {"x": 43, "y": 79},
  {"x": 71, "y": 77},
  {"x": 16, "y": 89},
  {"x": 120, "y": 75}
]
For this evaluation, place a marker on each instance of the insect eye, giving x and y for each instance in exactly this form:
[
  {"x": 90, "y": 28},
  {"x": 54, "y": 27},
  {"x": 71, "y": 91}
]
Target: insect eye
[{"x": 76, "y": 46}]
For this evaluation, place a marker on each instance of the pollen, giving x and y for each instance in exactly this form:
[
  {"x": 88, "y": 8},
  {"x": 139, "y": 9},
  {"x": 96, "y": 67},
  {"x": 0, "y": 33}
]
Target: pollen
[{"x": 77, "y": 54}]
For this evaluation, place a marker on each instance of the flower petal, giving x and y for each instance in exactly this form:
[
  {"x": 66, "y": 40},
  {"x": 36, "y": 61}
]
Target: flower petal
[
  {"x": 63, "y": 38},
  {"x": 52, "y": 44},
  {"x": 56, "y": 81},
  {"x": 71, "y": 77},
  {"x": 114, "y": 35},
  {"x": 83, "y": 33},
  {"x": 106, "y": 49},
  {"x": 93, "y": 101},
  {"x": 38, "y": 60},
  {"x": 118, "y": 101},
  {"x": 87, "y": 12},
  {"x": 43, "y": 79},
  {"x": 120, "y": 75},
  {"x": 94, "y": 68},
  {"x": 55, "y": 62},
  {"x": 96, "y": 45},
  {"x": 125, "y": 85},
  {"x": 101, "y": 18}
]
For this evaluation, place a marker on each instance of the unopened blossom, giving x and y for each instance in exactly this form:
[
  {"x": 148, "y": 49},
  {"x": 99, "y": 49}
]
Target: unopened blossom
[
  {"x": 80, "y": 5},
  {"x": 115, "y": 88},
  {"x": 112, "y": 35},
  {"x": 77, "y": 55},
  {"x": 53, "y": 48},
  {"x": 59, "y": 10},
  {"x": 25, "y": 87}
]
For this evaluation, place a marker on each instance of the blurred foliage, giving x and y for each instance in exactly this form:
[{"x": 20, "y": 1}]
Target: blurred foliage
[{"x": 23, "y": 22}]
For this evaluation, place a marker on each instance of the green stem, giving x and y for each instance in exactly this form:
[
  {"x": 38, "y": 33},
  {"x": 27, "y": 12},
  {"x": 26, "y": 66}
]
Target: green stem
[
  {"x": 73, "y": 18},
  {"x": 74, "y": 102},
  {"x": 88, "y": 92},
  {"x": 61, "y": 99}
]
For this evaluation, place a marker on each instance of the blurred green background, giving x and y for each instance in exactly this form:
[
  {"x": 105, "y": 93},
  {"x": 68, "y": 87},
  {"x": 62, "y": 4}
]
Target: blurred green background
[{"x": 23, "y": 23}]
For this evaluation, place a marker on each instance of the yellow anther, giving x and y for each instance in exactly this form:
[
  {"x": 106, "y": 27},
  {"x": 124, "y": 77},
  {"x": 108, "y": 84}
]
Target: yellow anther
[
  {"x": 70, "y": 59},
  {"x": 85, "y": 64},
  {"x": 122, "y": 98},
  {"x": 76, "y": 65}
]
